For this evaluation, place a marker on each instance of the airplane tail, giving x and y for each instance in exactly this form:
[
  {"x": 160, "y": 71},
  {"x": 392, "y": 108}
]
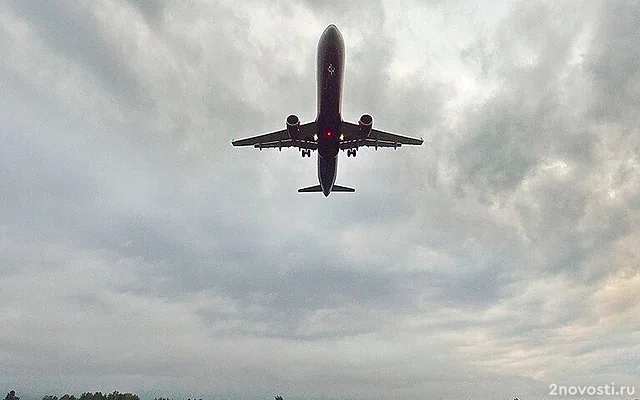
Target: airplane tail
[
  {"x": 310, "y": 189},
  {"x": 317, "y": 188},
  {"x": 338, "y": 188}
]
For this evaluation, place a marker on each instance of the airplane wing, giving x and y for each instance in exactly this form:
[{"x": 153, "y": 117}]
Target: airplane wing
[
  {"x": 377, "y": 138},
  {"x": 281, "y": 139},
  {"x": 301, "y": 144},
  {"x": 354, "y": 144}
]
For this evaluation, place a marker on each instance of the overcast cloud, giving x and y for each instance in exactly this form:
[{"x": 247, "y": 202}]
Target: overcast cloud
[{"x": 141, "y": 252}]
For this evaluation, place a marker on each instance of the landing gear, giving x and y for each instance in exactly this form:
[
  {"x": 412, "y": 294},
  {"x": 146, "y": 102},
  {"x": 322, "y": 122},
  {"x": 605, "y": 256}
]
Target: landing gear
[
  {"x": 351, "y": 152},
  {"x": 306, "y": 153}
]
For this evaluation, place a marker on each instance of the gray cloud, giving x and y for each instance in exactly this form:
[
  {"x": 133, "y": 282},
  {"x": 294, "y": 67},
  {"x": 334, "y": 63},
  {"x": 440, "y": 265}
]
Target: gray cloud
[
  {"x": 73, "y": 31},
  {"x": 151, "y": 9},
  {"x": 140, "y": 251}
]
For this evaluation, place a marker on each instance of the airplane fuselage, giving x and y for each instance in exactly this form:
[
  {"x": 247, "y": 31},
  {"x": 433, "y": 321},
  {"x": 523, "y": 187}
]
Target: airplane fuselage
[{"x": 330, "y": 72}]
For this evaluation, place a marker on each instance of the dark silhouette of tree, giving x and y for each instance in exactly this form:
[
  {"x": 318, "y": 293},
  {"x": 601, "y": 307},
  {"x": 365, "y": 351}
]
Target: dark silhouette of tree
[
  {"x": 121, "y": 396},
  {"x": 12, "y": 396},
  {"x": 96, "y": 396},
  {"x": 92, "y": 396}
]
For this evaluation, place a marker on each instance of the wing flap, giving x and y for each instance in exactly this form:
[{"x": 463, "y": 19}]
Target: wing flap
[
  {"x": 391, "y": 137},
  {"x": 281, "y": 139},
  {"x": 368, "y": 143},
  {"x": 352, "y": 137},
  {"x": 287, "y": 143},
  {"x": 273, "y": 137}
]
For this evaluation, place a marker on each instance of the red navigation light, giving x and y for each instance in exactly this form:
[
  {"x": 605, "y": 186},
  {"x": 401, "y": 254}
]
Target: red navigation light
[{"x": 328, "y": 133}]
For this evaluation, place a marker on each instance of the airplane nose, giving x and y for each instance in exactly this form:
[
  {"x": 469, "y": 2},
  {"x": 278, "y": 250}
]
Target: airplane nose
[{"x": 332, "y": 31}]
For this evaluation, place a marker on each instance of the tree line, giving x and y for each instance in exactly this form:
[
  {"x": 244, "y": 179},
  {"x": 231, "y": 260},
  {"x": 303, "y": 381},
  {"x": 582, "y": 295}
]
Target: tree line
[
  {"x": 95, "y": 396},
  {"x": 89, "y": 396},
  {"x": 98, "y": 396}
]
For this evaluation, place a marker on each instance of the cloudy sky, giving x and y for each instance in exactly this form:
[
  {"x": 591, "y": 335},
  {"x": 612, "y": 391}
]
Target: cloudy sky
[{"x": 141, "y": 252}]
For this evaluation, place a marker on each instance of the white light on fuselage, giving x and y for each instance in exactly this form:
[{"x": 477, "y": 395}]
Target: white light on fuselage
[
  {"x": 315, "y": 137},
  {"x": 342, "y": 137}
]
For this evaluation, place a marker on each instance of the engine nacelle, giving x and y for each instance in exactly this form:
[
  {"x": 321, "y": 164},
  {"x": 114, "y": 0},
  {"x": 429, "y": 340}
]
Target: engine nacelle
[
  {"x": 364, "y": 125},
  {"x": 293, "y": 126}
]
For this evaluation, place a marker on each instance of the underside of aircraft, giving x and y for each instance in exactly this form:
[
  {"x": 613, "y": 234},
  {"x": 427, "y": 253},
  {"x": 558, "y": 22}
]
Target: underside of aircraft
[{"x": 329, "y": 133}]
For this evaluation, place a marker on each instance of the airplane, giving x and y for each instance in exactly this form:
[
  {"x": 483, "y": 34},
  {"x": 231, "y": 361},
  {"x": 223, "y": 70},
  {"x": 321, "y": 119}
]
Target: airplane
[{"x": 328, "y": 133}]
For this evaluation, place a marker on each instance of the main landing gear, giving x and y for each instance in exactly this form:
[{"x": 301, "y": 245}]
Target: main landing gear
[
  {"x": 351, "y": 152},
  {"x": 306, "y": 153}
]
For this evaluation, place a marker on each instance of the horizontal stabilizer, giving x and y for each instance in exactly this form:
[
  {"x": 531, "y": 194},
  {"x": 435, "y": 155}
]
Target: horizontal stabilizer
[
  {"x": 317, "y": 188},
  {"x": 310, "y": 189},
  {"x": 338, "y": 188}
]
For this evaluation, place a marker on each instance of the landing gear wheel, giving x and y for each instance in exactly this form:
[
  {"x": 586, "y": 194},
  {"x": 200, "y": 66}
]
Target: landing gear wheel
[
  {"x": 306, "y": 153},
  {"x": 351, "y": 152}
]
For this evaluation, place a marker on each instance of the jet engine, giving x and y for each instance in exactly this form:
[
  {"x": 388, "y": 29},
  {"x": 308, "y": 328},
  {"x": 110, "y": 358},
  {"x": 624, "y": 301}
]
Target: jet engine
[
  {"x": 293, "y": 126},
  {"x": 364, "y": 125}
]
